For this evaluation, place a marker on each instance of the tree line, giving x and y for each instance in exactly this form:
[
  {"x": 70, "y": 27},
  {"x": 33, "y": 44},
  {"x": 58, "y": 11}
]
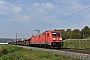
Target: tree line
[{"x": 76, "y": 33}]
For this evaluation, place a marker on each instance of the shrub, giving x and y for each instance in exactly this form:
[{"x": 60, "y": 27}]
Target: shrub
[
  {"x": 56, "y": 55},
  {"x": 13, "y": 48},
  {"x": 31, "y": 50},
  {"x": 3, "y": 51},
  {"x": 14, "y": 56}
]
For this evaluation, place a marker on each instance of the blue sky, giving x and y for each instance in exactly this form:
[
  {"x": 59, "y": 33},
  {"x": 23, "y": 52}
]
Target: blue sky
[{"x": 25, "y": 16}]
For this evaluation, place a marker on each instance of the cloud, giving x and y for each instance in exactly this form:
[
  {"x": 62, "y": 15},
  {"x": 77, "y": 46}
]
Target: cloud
[
  {"x": 28, "y": 15},
  {"x": 41, "y": 8},
  {"x": 17, "y": 9},
  {"x": 36, "y": 4},
  {"x": 9, "y": 9},
  {"x": 2, "y": 2},
  {"x": 20, "y": 18},
  {"x": 41, "y": 11},
  {"x": 51, "y": 12},
  {"x": 47, "y": 12},
  {"x": 49, "y": 5}
]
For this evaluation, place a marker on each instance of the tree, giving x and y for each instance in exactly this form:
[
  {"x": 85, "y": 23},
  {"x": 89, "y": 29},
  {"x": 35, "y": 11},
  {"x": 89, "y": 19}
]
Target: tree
[
  {"x": 63, "y": 33},
  {"x": 68, "y": 32},
  {"x": 85, "y": 32},
  {"x": 76, "y": 34}
]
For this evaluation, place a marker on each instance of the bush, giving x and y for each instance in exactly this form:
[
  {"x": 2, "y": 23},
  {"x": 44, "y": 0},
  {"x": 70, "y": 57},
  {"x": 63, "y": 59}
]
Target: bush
[
  {"x": 56, "y": 55},
  {"x": 13, "y": 48},
  {"x": 9, "y": 49},
  {"x": 14, "y": 56},
  {"x": 3, "y": 51}
]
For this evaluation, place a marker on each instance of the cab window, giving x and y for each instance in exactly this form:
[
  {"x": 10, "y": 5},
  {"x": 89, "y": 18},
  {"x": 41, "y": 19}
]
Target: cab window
[{"x": 55, "y": 34}]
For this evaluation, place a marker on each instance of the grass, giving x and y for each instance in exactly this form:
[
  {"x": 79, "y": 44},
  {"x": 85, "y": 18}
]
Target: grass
[
  {"x": 18, "y": 53},
  {"x": 77, "y": 44},
  {"x": 1, "y": 45}
]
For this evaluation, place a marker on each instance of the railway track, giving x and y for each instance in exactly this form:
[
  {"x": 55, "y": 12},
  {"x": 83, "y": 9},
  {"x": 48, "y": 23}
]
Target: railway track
[
  {"x": 76, "y": 53},
  {"x": 77, "y": 50}
]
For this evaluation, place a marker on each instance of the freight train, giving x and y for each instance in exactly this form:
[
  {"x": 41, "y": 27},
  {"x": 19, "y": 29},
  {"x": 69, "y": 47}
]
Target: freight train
[{"x": 51, "y": 38}]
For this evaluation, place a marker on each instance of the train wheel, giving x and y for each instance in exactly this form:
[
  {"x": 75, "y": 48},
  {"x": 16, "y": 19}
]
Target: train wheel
[
  {"x": 46, "y": 46},
  {"x": 42, "y": 46}
]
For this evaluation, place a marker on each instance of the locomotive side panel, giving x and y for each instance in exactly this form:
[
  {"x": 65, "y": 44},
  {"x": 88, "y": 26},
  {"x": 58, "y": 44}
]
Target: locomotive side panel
[
  {"x": 34, "y": 40},
  {"x": 48, "y": 39},
  {"x": 42, "y": 39}
]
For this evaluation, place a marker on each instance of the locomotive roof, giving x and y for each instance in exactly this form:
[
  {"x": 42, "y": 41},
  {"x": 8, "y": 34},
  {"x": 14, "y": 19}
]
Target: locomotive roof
[
  {"x": 53, "y": 31},
  {"x": 57, "y": 31}
]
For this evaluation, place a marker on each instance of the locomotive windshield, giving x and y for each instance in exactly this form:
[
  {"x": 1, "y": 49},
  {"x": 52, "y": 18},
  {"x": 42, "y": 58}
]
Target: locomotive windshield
[{"x": 55, "y": 34}]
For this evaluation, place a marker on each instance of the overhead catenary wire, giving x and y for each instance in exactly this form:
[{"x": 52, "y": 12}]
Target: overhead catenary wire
[
  {"x": 75, "y": 22},
  {"x": 79, "y": 6},
  {"x": 66, "y": 17},
  {"x": 69, "y": 16}
]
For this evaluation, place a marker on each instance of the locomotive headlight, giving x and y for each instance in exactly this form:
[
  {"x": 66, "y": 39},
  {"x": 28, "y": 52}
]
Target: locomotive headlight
[
  {"x": 54, "y": 38},
  {"x": 60, "y": 38}
]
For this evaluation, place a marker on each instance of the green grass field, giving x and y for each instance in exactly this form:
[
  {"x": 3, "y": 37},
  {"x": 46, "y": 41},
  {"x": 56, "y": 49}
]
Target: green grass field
[
  {"x": 1, "y": 45},
  {"x": 9, "y": 52},
  {"x": 77, "y": 44}
]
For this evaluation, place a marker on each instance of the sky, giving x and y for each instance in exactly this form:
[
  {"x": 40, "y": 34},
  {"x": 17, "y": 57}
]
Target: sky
[{"x": 25, "y": 16}]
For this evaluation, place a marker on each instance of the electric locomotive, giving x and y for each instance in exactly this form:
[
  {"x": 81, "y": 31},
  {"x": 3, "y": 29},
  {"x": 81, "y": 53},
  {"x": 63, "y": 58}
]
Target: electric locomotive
[{"x": 47, "y": 39}]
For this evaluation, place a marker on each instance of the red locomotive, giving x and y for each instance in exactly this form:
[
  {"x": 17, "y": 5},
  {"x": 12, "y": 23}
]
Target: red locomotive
[{"x": 46, "y": 39}]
